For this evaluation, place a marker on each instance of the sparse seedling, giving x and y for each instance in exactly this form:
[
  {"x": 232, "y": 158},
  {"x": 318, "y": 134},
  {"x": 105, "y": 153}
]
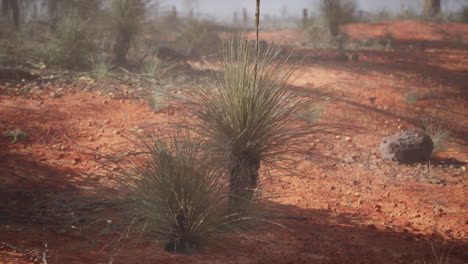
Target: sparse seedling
[
  {"x": 100, "y": 69},
  {"x": 16, "y": 134},
  {"x": 158, "y": 69},
  {"x": 411, "y": 98},
  {"x": 437, "y": 133},
  {"x": 158, "y": 100}
]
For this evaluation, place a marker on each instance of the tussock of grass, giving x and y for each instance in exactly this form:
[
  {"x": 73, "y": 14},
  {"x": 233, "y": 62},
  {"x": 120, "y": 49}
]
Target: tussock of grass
[
  {"x": 159, "y": 69},
  {"x": 177, "y": 194}
]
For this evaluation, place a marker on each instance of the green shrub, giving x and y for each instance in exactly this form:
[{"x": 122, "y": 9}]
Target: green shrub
[
  {"x": 250, "y": 117},
  {"x": 177, "y": 195},
  {"x": 72, "y": 45}
]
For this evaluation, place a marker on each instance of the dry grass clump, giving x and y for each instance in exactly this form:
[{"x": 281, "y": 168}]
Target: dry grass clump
[
  {"x": 438, "y": 135},
  {"x": 177, "y": 195}
]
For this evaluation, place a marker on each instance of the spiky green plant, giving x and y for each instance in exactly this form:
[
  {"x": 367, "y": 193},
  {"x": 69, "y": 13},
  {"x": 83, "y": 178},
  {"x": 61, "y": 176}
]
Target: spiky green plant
[
  {"x": 177, "y": 194},
  {"x": 250, "y": 117}
]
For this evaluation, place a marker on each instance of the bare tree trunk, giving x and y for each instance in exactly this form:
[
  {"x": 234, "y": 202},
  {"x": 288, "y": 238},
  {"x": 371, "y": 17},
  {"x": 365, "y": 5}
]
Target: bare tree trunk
[
  {"x": 5, "y": 7},
  {"x": 52, "y": 12},
  {"x": 15, "y": 8},
  {"x": 305, "y": 18},
  {"x": 432, "y": 7}
]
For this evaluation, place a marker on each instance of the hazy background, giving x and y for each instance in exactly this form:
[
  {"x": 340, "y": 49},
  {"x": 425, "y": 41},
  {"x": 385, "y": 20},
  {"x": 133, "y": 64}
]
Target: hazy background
[{"x": 223, "y": 9}]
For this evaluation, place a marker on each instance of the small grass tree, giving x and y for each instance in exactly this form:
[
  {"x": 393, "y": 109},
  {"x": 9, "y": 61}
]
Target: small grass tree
[
  {"x": 176, "y": 193},
  {"x": 126, "y": 17},
  {"x": 250, "y": 118}
]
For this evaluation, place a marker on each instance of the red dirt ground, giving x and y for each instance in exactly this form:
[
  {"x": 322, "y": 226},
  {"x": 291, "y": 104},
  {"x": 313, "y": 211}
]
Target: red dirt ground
[{"x": 361, "y": 210}]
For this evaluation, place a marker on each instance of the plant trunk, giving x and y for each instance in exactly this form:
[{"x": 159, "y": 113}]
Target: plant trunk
[
  {"x": 334, "y": 28},
  {"x": 243, "y": 178},
  {"x": 121, "y": 47},
  {"x": 305, "y": 18},
  {"x": 5, "y": 7},
  {"x": 13, "y": 5},
  {"x": 53, "y": 15},
  {"x": 431, "y": 7},
  {"x": 15, "y": 8}
]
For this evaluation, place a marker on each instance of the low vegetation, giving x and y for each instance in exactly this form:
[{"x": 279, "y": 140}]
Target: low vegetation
[{"x": 178, "y": 195}]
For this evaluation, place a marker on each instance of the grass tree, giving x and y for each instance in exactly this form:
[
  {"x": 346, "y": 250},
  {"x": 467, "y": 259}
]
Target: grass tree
[
  {"x": 126, "y": 17},
  {"x": 249, "y": 117}
]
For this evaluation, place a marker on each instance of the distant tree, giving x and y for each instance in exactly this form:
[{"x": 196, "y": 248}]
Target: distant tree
[
  {"x": 305, "y": 18},
  {"x": 245, "y": 17},
  {"x": 5, "y": 7},
  {"x": 431, "y": 7},
  {"x": 235, "y": 19},
  {"x": 337, "y": 13},
  {"x": 12, "y": 5},
  {"x": 52, "y": 9}
]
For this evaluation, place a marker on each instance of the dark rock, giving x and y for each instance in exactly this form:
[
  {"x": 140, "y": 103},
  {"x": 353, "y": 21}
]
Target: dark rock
[{"x": 410, "y": 146}]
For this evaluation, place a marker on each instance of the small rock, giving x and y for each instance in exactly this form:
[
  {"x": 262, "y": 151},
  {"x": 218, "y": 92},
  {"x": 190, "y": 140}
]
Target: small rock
[
  {"x": 53, "y": 95},
  {"x": 408, "y": 147},
  {"x": 378, "y": 208},
  {"x": 332, "y": 188},
  {"x": 348, "y": 139}
]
